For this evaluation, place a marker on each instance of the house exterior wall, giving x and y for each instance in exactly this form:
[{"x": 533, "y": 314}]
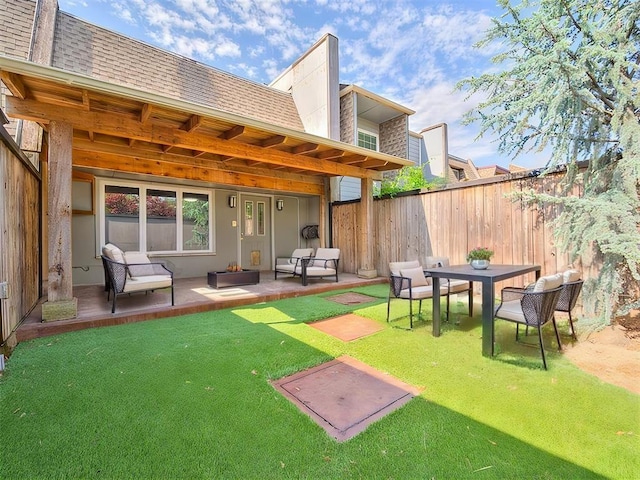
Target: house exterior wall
[
  {"x": 394, "y": 136},
  {"x": 436, "y": 158},
  {"x": 313, "y": 84},
  {"x": 347, "y": 118},
  {"x": 415, "y": 149},
  {"x": 298, "y": 212}
]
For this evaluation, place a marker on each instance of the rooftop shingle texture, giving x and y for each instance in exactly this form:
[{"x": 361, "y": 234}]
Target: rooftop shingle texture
[
  {"x": 86, "y": 49},
  {"x": 470, "y": 173},
  {"x": 16, "y": 23}
]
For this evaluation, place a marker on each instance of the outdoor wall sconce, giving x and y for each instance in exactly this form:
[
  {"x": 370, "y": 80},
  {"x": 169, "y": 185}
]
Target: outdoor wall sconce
[
  {"x": 279, "y": 205},
  {"x": 232, "y": 201}
]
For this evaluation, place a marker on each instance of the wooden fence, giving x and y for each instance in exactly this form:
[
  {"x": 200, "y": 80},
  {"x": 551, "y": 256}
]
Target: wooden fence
[
  {"x": 20, "y": 238},
  {"x": 452, "y": 221}
]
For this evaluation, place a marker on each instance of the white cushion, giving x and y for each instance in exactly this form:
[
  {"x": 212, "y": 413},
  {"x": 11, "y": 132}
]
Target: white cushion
[
  {"x": 511, "y": 310},
  {"x": 314, "y": 271},
  {"x": 138, "y": 258},
  {"x": 147, "y": 282},
  {"x": 323, "y": 254},
  {"x": 113, "y": 253},
  {"x": 299, "y": 253},
  {"x": 457, "y": 286},
  {"x": 395, "y": 267},
  {"x": 417, "y": 293},
  {"x": 285, "y": 267},
  {"x": 437, "y": 261},
  {"x": 570, "y": 276},
  {"x": 416, "y": 275},
  {"x": 548, "y": 282}
]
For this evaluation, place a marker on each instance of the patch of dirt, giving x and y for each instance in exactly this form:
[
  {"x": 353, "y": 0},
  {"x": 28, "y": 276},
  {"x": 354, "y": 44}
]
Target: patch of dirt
[{"x": 612, "y": 354}]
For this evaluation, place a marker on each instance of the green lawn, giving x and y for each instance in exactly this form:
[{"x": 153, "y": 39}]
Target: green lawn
[{"x": 189, "y": 397}]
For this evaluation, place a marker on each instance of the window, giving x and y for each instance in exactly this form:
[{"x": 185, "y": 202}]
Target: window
[
  {"x": 161, "y": 220},
  {"x": 367, "y": 140},
  {"x": 170, "y": 220},
  {"x": 195, "y": 221},
  {"x": 458, "y": 173},
  {"x": 248, "y": 219}
]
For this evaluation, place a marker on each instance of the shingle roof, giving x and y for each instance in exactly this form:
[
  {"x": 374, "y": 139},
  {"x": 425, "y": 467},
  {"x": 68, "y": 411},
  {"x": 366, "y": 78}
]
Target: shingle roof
[
  {"x": 16, "y": 22},
  {"x": 470, "y": 172},
  {"x": 87, "y": 49},
  {"x": 83, "y": 48}
]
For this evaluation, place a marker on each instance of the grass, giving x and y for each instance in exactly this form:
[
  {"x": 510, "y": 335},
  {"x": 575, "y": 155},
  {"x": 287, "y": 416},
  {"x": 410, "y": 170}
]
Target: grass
[{"x": 189, "y": 397}]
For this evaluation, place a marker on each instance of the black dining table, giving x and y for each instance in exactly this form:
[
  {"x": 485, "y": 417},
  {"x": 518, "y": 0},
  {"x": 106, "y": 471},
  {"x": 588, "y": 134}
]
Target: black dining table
[{"x": 488, "y": 278}]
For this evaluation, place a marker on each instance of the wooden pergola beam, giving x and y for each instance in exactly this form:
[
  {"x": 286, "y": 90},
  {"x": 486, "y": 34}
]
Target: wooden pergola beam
[
  {"x": 145, "y": 113},
  {"x": 15, "y": 84},
  {"x": 123, "y": 126},
  {"x": 146, "y": 166},
  {"x": 232, "y": 132},
  {"x": 194, "y": 122},
  {"x": 273, "y": 141},
  {"x": 87, "y": 147}
]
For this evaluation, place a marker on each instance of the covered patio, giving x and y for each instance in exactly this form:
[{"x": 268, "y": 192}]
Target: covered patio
[
  {"x": 192, "y": 295},
  {"x": 97, "y": 129}
]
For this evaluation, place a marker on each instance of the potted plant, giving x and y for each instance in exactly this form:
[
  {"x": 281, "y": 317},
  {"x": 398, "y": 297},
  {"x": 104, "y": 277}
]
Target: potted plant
[{"x": 479, "y": 257}]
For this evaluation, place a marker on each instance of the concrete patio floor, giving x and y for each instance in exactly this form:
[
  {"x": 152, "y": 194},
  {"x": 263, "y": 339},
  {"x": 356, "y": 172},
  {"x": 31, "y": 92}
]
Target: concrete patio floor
[{"x": 192, "y": 295}]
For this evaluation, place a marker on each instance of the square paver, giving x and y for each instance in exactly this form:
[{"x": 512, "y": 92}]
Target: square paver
[
  {"x": 344, "y": 396},
  {"x": 347, "y": 327}
]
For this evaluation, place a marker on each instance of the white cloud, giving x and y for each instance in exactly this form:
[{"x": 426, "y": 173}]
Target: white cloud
[{"x": 410, "y": 51}]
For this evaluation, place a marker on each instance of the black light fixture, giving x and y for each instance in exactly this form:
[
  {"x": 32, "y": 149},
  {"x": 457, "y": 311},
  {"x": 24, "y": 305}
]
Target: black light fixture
[
  {"x": 232, "y": 201},
  {"x": 279, "y": 204}
]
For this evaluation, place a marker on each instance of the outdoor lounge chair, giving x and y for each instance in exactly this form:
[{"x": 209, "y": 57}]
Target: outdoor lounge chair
[
  {"x": 133, "y": 272},
  {"x": 408, "y": 282},
  {"x": 571, "y": 287},
  {"x": 290, "y": 264},
  {"x": 453, "y": 286},
  {"x": 324, "y": 264},
  {"x": 532, "y": 306}
]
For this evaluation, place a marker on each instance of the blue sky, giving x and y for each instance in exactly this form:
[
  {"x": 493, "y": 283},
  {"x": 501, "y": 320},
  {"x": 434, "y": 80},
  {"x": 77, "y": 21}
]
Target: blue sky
[{"x": 410, "y": 51}]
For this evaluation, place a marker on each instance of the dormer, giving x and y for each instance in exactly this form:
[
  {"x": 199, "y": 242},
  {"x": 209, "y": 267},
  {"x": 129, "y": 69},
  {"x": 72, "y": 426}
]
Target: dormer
[{"x": 371, "y": 121}]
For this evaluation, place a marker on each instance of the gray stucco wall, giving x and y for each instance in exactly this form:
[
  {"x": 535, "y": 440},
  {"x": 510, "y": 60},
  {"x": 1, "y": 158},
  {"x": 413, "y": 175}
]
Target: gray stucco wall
[{"x": 298, "y": 212}]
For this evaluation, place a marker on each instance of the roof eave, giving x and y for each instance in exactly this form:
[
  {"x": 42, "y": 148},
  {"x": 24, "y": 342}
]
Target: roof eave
[{"x": 42, "y": 72}]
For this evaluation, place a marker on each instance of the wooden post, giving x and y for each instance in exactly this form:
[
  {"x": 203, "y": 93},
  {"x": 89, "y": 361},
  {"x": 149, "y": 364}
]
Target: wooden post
[
  {"x": 323, "y": 221},
  {"x": 61, "y": 304},
  {"x": 366, "y": 265}
]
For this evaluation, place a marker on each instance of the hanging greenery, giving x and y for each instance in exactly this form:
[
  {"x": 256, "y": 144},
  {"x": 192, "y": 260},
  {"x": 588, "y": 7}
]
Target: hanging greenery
[{"x": 570, "y": 87}]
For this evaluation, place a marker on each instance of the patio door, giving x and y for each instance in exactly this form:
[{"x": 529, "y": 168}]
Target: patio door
[{"x": 255, "y": 232}]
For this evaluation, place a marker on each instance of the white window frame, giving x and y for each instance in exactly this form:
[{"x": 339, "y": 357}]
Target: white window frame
[
  {"x": 371, "y": 134},
  {"x": 142, "y": 234}
]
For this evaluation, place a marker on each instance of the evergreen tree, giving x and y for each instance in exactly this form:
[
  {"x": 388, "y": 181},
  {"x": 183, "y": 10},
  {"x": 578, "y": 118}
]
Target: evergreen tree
[{"x": 570, "y": 87}]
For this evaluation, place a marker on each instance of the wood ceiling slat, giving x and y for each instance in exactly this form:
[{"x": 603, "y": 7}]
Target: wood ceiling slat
[
  {"x": 122, "y": 150},
  {"x": 145, "y": 166},
  {"x": 124, "y": 126},
  {"x": 15, "y": 84}
]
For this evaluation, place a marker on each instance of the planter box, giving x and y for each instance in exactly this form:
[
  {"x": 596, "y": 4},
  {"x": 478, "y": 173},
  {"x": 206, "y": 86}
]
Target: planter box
[{"x": 233, "y": 279}]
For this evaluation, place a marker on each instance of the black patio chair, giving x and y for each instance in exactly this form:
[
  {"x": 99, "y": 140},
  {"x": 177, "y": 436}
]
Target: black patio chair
[{"x": 532, "y": 307}]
